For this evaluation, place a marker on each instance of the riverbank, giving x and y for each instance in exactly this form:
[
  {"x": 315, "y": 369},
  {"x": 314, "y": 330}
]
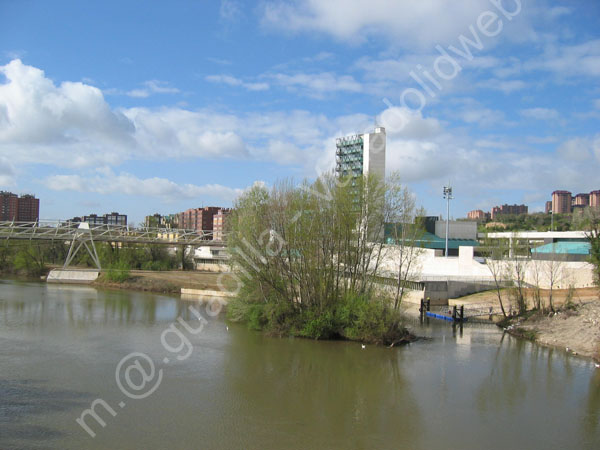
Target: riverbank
[
  {"x": 165, "y": 282},
  {"x": 576, "y": 328}
]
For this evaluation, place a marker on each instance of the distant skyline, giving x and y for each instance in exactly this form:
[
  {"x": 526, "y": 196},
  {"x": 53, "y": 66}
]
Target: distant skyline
[{"x": 144, "y": 106}]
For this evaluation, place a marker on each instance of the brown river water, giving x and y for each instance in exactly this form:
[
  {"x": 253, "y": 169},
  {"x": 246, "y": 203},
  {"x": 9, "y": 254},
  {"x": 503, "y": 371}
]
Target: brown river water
[{"x": 202, "y": 383}]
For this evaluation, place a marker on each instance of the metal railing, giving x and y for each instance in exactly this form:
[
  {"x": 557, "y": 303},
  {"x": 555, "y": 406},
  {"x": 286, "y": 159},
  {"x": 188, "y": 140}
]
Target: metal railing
[{"x": 67, "y": 231}]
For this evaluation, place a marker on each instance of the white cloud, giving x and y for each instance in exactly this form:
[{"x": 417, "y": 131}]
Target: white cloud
[
  {"x": 580, "y": 149},
  {"x": 153, "y": 87},
  {"x": 421, "y": 23},
  {"x": 540, "y": 113},
  {"x": 233, "y": 81},
  {"x": 506, "y": 86},
  {"x": 318, "y": 84},
  {"x": 230, "y": 10},
  {"x": 127, "y": 184},
  {"x": 569, "y": 60},
  {"x": 7, "y": 172}
]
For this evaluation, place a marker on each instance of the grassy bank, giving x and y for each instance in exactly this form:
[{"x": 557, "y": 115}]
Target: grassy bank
[{"x": 164, "y": 282}]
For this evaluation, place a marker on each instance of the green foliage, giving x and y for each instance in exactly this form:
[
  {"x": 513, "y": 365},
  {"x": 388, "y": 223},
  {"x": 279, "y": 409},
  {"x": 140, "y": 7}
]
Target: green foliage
[
  {"x": 309, "y": 256},
  {"x": 536, "y": 221},
  {"x": 353, "y": 318},
  {"x": 118, "y": 272},
  {"x": 29, "y": 260}
]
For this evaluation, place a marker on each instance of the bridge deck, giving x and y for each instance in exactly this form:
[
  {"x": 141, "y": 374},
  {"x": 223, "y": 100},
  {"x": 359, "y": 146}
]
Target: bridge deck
[{"x": 67, "y": 231}]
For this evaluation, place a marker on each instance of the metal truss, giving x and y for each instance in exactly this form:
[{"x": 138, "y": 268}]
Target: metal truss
[{"x": 70, "y": 231}]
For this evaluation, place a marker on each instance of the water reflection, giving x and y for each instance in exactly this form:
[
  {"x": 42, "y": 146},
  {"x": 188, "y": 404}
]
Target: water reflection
[
  {"x": 467, "y": 387},
  {"x": 323, "y": 394}
]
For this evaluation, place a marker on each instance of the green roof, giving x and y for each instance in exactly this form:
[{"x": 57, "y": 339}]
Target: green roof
[{"x": 430, "y": 240}]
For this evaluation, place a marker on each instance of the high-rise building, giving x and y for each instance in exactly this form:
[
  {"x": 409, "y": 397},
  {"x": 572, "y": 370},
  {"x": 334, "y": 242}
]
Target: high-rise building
[
  {"x": 9, "y": 204},
  {"x": 199, "y": 219},
  {"x": 20, "y": 209},
  {"x": 595, "y": 199},
  {"x": 561, "y": 202},
  {"x": 581, "y": 200},
  {"x": 219, "y": 221},
  {"x": 548, "y": 208},
  {"x": 360, "y": 154}
]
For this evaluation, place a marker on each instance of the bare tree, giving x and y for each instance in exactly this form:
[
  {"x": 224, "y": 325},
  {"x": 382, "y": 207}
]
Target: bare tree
[
  {"x": 495, "y": 261},
  {"x": 407, "y": 230},
  {"x": 537, "y": 274},
  {"x": 553, "y": 271},
  {"x": 518, "y": 262}
]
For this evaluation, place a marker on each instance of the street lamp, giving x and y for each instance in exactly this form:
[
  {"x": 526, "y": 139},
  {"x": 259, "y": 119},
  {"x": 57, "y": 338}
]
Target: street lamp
[{"x": 448, "y": 197}]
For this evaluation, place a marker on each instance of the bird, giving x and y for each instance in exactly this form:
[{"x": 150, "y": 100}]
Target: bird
[
  {"x": 226, "y": 327},
  {"x": 364, "y": 346},
  {"x": 597, "y": 366}
]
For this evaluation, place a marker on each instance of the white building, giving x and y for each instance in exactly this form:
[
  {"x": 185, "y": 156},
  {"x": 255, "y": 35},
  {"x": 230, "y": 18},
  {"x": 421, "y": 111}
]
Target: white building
[{"x": 360, "y": 154}]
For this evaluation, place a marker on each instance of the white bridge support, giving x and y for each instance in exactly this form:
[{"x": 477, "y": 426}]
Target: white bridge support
[{"x": 82, "y": 238}]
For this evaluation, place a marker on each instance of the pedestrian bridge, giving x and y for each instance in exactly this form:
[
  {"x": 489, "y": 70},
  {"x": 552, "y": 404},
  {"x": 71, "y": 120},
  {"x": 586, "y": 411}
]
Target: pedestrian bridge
[
  {"x": 84, "y": 234},
  {"x": 66, "y": 231}
]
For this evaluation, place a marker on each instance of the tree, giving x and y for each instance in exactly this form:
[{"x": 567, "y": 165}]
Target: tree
[
  {"x": 518, "y": 261},
  {"x": 495, "y": 260},
  {"x": 309, "y": 256},
  {"x": 553, "y": 271},
  {"x": 537, "y": 275},
  {"x": 593, "y": 236},
  {"x": 407, "y": 230}
]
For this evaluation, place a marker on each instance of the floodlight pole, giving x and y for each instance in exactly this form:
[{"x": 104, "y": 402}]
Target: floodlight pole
[{"x": 448, "y": 197}]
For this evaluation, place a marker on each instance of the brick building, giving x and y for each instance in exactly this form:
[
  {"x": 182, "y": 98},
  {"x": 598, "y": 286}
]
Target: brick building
[
  {"x": 199, "y": 219},
  {"x": 561, "y": 202},
  {"x": 219, "y": 221},
  {"x": 20, "y": 209},
  {"x": 595, "y": 199},
  {"x": 581, "y": 200},
  {"x": 478, "y": 214},
  {"x": 509, "y": 209}
]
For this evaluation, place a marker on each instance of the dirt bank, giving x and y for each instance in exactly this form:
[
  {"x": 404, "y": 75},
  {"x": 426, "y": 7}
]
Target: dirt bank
[
  {"x": 576, "y": 330},
  {"x": 576, "y": 327},
  {"x": 166, "y": 282}
]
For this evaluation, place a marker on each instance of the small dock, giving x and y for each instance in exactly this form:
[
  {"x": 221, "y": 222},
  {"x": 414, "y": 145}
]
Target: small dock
[{"x": 450, "y": 314}]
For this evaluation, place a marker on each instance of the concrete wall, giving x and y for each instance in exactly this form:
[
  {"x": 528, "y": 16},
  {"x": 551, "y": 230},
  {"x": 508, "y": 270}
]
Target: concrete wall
[{"x": 72, "y": 276}]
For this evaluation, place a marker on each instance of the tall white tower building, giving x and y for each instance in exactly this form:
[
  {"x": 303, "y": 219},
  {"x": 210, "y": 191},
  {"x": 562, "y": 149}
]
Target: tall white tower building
[{"x": 359, "y": 154}]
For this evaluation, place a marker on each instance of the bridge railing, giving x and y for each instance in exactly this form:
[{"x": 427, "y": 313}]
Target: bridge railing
[{"x": 66, "y": 230}]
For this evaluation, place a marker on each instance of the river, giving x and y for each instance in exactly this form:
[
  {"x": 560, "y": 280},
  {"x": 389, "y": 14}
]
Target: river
[{"x": 232, "y": 388}]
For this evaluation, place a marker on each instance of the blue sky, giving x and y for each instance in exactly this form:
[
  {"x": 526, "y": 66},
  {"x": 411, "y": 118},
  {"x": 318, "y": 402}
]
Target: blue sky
[{"x": 145, "y": 106}]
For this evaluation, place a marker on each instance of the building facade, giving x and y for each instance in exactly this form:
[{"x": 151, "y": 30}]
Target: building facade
[
  {"x": 219, "y": 221},
  {"x": 114, "y": 218},
  {"x": 561, "y": 202},
  {"x": 509, "y": 209},
  {"x": 595, "y": 199},
  {"x": 581, "y": 200},
  {"x": 25, "y": 208},
  {"x": 198, "y": 219},
  {"x": 477, "y": 214},
  {"x": 360, "y": 154}
]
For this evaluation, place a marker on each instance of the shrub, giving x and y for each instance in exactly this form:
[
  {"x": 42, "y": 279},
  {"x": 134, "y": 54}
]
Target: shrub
[{"x": 118, "y": 272}]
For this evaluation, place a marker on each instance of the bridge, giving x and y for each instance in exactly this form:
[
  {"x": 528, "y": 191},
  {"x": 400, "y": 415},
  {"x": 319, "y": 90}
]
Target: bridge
[{"x": 84, "y": 234}]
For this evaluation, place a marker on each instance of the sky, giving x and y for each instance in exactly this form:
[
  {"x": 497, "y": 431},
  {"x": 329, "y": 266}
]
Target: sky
[{"x": 146, "y": 106}]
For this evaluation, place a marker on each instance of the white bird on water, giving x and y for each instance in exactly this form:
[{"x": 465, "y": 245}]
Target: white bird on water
[
  {"x": 364, "y": 346},
  {"x": 597, "y": 366}
]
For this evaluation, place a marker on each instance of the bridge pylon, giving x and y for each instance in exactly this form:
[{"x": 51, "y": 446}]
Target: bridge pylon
[{"x": 82, "y": 238}]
